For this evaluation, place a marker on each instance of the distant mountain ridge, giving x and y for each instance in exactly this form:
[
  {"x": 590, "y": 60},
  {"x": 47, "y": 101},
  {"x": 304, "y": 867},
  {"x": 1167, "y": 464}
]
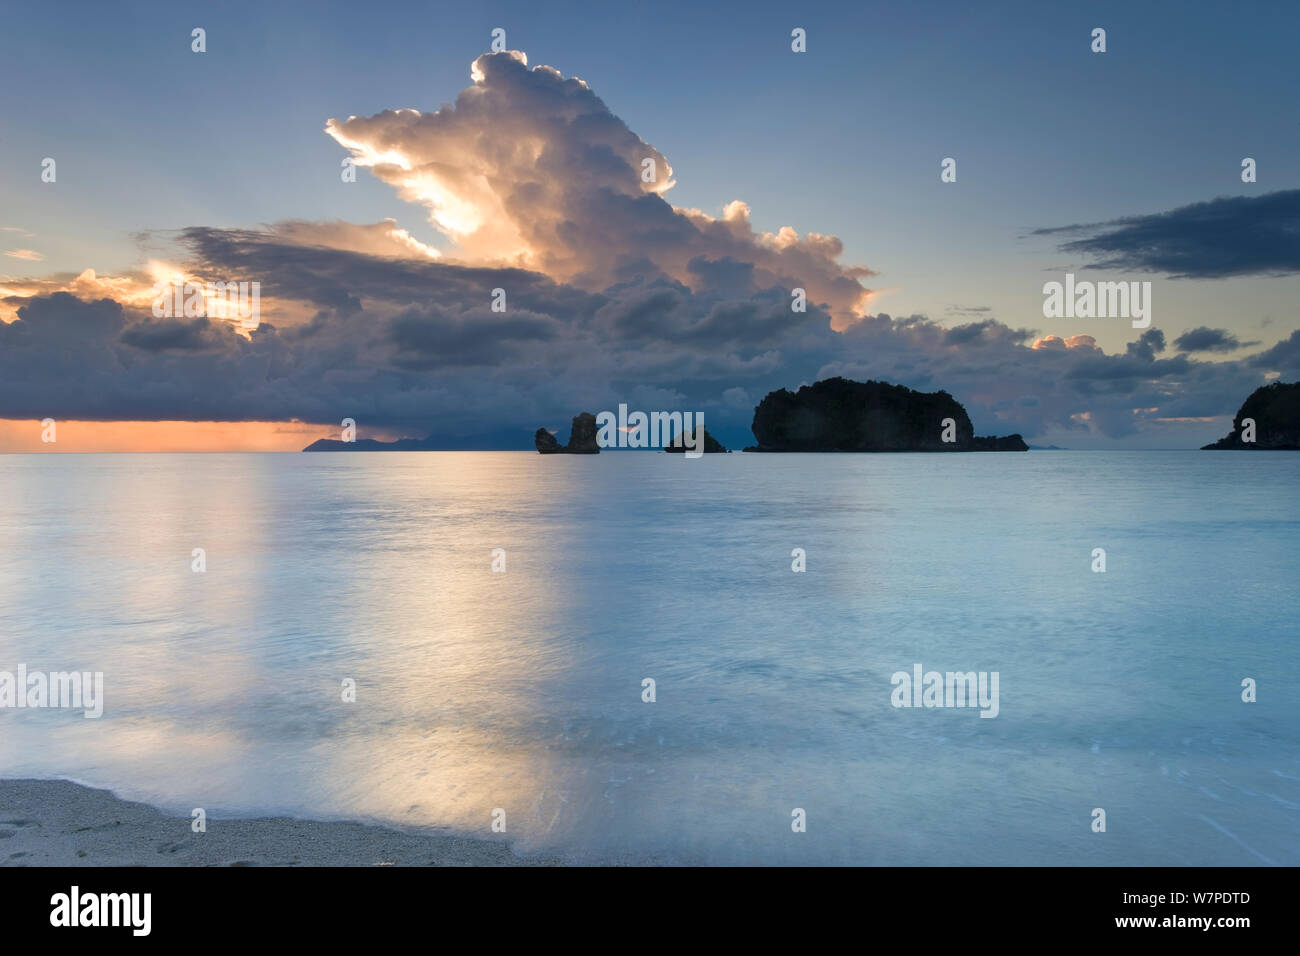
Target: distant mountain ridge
[
  {"x": 499, "y": 439},
  {"x": 370, "y": 444}
]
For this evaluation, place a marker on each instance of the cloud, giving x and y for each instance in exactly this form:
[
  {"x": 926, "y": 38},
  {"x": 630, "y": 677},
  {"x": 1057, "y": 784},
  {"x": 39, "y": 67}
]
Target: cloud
[
  {"x": 411, "y": 346},
  {"x": 1283, "y": 357},
  {"x": 1149, "y": 343},
  {"x": 1203, "y": 339},
  {"x": 1231, "y": 236},
  {"x": 738, "y": 398},
  {"x": 612, "y": 295},
  {"x": 1071, "y": 342},
  {"x": 532, "y": 170},
  {"x": 988, "y": 332},
  {"x": 27, "y": 255},
  {"x": 176, "y": 334},
  {"x": 376, "y": 239}
]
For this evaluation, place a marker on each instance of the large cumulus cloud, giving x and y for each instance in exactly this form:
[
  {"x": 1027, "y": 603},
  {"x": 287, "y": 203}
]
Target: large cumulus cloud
[{"x": 532, "y": 169}]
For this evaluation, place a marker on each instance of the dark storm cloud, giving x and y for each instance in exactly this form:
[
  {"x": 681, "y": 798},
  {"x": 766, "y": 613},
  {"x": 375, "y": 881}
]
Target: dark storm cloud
[
  {"x": 413, "y": 344},
  {"x": 1283, "y": 357},
  {"x": 177, "y": 334},
  {"x": 65, "y": 319},
  {"x": 432, "y": 338},
  {"x": 725, "y": 276},
  {"x": 1203, "y": 339},
  {"x": 987, "y": 332},
  {"x": 1231, "y": 236},
  {"x": 1147, "y": 345}
]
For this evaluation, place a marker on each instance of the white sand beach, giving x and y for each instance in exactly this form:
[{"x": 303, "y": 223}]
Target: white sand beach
[{"x": 60, "y": 823}]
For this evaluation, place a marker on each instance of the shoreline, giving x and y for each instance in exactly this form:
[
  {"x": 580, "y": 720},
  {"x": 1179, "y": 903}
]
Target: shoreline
[{"x": 61, "y": 823}]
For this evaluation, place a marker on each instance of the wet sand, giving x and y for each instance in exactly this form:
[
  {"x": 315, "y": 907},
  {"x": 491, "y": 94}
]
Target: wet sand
[{"x": 60, "y": 823}]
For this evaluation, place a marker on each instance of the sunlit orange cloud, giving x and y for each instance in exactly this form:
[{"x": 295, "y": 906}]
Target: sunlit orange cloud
[
  {"x": 139, "y": 290},
  {"x": 75, "y": 436}
]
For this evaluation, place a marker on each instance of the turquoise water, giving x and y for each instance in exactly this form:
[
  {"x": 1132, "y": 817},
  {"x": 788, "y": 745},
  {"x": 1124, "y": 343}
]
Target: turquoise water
[{"x": 522, "y": 690}]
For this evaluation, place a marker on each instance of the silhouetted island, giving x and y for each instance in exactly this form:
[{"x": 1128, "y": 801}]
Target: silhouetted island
[
  {"x": 1275, "y": 410},
  {"x": 832, "y": 415},
  {"x": 711, "y": 445},
  {"x": 837, "y": 414},
  {"x": 371, "y": 444},
  {"x": 582, "y": 438}
]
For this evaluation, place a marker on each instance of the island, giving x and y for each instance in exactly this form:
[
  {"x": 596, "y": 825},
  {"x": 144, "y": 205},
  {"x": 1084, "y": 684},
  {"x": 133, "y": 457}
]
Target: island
[
  {"x": 840, "y": 415},
  {"x": 711, "y": 445},
  {"x": 371, "y": 444},
  {"x": 582, "y": 438},
  {"x": 831, "y": 415},
  {"x": 1275, "y": 410}
]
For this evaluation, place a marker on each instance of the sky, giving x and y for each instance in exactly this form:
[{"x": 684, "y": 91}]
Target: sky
[{"x": 523, "y": 171}]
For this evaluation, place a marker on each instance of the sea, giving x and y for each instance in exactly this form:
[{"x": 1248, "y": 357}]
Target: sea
[{"x": 644, "y": 658}]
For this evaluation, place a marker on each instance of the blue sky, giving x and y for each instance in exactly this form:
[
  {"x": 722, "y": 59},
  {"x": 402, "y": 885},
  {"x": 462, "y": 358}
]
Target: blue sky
[{"x": 844, "y": 140}]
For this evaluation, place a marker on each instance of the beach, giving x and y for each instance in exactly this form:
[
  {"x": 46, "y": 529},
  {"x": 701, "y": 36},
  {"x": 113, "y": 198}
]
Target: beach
[{"x": 60, "y": 823}]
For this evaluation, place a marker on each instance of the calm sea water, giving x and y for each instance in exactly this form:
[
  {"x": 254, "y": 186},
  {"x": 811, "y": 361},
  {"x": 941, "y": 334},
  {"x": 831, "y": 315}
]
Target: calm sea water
[{"x": 523, "y": 690}]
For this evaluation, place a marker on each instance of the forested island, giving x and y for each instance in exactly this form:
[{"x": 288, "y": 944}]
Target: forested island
[
  {"x": 840, "y": 415},
  {"x": 1268, "y": 420}
]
